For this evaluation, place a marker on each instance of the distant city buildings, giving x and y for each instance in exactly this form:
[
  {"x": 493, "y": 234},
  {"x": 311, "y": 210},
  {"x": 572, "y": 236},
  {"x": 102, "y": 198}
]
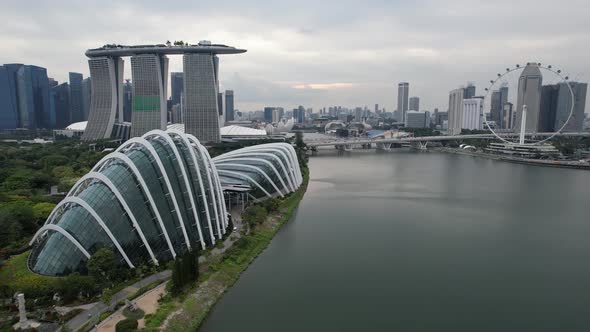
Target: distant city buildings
[
  {"x": 556, "y": 104},
  {"x": 196, "y": 90}
]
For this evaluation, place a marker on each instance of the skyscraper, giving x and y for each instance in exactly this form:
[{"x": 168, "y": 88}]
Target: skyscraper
[
  {"x": 529, "y": 94},
  {"x": 177, "y": 87},
  {"x": 76, "y": 99},
  {"x": 499, "y": 98},
  {"x": 201, "y": 116},
  {"x": 455, "y": 111},
  {"x": 548, "y": 108},
  {"x": 127, "y": 100},
  {"x": 33, "y": 97},
  {"x": 86, "y": 93},
  {"x": 229, "y": 105},
  {"x": 8, "y": 99},
  {"x": 268, "y": 111},
  {"x": 564, "y": 105},
  {"x": 107, "y": 98},
  {"x": 221, "y": 108},
  {"x": 414, "y": 104},
  {"x": 403, "y": 90},
  {"x": 150, "y": 83},
  {"x": 469, "y": 91},
  {"x": 60, "y": 106}
]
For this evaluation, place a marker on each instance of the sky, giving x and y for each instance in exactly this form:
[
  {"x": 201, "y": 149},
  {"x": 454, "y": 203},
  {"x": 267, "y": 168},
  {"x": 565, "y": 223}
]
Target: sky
[{"x": 315, "y": 53}]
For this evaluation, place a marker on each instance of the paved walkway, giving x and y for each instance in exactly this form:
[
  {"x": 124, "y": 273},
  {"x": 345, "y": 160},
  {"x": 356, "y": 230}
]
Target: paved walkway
[
  {"x": 147, "y": 302},
  {"x": 92, "y": 314}
]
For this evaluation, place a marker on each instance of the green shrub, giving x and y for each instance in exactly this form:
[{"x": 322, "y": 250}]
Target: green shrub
[{"x": 126, "y": 325}]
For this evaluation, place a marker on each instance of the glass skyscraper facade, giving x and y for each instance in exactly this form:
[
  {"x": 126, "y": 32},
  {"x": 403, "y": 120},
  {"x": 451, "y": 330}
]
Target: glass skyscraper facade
[
  {"x": 200, "y": 114},
  {"x": 76, "y": 98},
  {"x": 150, "y": 82}
]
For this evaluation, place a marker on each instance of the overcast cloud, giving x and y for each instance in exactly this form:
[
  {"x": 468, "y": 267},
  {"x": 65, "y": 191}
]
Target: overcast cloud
[{"x": 315, "y": 53}]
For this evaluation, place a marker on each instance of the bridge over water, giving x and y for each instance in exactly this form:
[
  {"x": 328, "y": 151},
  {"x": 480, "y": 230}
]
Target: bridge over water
[{"x": 387, "y": 143}]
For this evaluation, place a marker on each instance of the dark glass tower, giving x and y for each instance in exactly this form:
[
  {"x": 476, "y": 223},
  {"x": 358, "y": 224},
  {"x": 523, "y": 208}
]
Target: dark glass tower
[{"x": 76, "y": 99}]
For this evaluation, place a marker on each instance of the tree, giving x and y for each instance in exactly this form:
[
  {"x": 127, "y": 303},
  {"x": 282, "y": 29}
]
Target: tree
[
  {"x": 102, "y": 264},
  {"x": 254, "y": 215}
]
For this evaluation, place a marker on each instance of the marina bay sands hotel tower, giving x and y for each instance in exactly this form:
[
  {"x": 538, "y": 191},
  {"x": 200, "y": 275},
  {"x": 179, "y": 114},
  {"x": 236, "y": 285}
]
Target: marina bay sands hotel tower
[{"x": 149, "y": 72}]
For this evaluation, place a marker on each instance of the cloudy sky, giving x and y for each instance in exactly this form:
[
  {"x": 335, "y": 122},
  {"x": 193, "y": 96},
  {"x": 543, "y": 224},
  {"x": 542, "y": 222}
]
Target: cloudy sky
[{"x": 315, "y": 53}]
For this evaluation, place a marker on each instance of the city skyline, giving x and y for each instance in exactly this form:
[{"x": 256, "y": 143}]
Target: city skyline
[{"x": 313, "y": 59}]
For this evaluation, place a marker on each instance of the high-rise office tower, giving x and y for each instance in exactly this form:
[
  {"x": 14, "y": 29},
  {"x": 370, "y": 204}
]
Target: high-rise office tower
[
  {"x": 564, "y": 105},
  {"x": 403, "y": 90},
  {"x": 221, "y": 109},
  {"x": 52, "y": 82},
  {"x": 76, "y": 100},
  {"x": 229, "y": 105},
  {"x": 529, "y": 94},
  {"x": 127, "y": 100},
  {"x": 8, "y": 98},
  {"x": 499, "y": 98},
  {"x": 455, "y": 114},
  {"x": 376, "y": 108},
  {"x": 548, "y": 108},
  {"x": 86, "y": 93},
  {"x": 414, "y": 104},
  {"x": 106, "y": 99},
  {"x": 201, "y": 116},
  {"x": 60, "y": 106},
  {"x": 150, "y": 81},
  {"x": 268, "y": 111},
  {"x": 507, "y": 116},
  {"x": 469, "y": 91},
  {"x": 33, "y": 97},
  {"x": 176, "y": 87}
]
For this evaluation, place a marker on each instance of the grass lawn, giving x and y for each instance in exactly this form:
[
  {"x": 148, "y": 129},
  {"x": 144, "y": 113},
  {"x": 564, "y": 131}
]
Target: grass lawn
[{"x": 15, "y": 276}]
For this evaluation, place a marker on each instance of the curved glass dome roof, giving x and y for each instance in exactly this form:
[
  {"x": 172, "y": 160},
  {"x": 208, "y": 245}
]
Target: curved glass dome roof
[{"x": 154, "y": 198}]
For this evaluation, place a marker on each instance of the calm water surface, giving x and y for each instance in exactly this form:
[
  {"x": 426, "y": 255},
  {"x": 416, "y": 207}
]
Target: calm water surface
[{"x": 408, "y": 241}]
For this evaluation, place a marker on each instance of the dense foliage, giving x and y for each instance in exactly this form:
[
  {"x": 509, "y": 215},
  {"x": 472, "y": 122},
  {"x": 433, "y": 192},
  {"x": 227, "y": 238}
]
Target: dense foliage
[
  {"x": 27, "y": 172},
  {"x": 126, "y": 325},
  {"x": 185, "y": 270}
]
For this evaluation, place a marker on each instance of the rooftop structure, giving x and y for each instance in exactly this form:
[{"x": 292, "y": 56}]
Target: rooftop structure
[
  {"x": 113, "y": 50},
  {"x": 200, "y": 108}
]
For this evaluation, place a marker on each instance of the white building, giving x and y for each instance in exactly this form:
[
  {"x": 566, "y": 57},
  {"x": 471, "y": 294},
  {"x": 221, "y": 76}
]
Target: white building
[
  {"x": 455, "y": 111},
  {"x": 472, "y": 114}
]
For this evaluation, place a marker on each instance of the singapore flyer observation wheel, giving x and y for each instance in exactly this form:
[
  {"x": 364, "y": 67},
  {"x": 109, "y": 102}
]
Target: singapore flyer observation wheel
[{"x": 502, "y": 77}]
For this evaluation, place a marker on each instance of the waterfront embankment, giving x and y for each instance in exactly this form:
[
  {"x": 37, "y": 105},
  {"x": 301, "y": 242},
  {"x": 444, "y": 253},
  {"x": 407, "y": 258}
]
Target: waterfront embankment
[
  {"x": 536, "y": 162},
  {"x": 220, "y": 272}
]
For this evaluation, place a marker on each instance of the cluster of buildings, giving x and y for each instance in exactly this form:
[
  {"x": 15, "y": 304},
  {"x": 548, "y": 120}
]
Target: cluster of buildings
[
  {"x": 548, "y": 106},
  {"x": 117, "y": 108},
  {"x": 29, "y": 99}
]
